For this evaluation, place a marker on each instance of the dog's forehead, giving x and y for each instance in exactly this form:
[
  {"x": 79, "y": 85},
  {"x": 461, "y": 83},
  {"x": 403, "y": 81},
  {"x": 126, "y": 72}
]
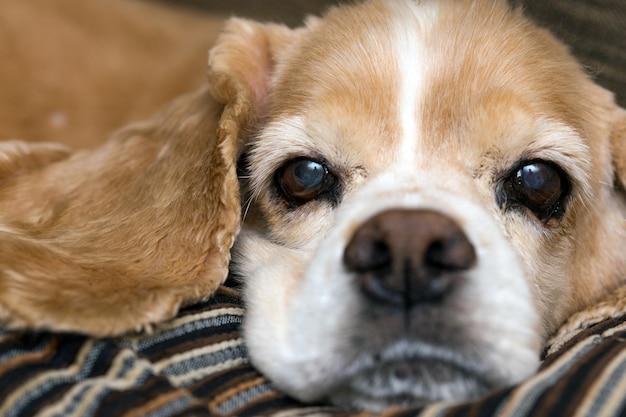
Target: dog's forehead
[{"x": 408, "y": 78}]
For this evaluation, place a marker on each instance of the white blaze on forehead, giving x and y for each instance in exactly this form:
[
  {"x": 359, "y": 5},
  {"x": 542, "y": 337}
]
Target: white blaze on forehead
[{"x": 413, "y": 22}]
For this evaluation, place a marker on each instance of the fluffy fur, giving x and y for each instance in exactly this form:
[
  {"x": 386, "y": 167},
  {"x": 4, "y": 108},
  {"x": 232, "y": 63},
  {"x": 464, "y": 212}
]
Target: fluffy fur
[
  {"x": 416, "y": 106},
  {"x": 114, "y": 239}
]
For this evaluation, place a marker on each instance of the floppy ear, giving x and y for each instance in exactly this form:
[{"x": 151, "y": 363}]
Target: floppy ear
[
  {"x": 17, "y": 156},
  {"x": 241, "y": 66},
  {"x": 618, "y": 144},
  {"x": 119, "y": 237}
]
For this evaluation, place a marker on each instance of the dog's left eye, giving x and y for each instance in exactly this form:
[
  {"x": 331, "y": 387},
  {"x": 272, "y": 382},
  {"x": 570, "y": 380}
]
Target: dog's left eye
[
  {"x": 538, "y": 185},
  {"x": 301, "y": 180}
]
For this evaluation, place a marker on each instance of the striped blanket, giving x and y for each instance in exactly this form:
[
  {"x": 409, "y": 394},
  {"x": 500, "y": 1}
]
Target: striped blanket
[{"x": 196, "y": 365}]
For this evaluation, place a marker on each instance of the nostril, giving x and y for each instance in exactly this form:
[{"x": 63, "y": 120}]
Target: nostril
[
  {"x": 367, "y": 255},
  {"x": 452, "y": 253},
  {"x": 380, "y": 255},
  {"x": 435, "y": 254}
]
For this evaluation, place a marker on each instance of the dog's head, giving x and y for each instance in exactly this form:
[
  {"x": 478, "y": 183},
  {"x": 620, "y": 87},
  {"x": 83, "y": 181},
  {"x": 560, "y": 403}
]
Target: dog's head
[{"x": 432, "y": 188}]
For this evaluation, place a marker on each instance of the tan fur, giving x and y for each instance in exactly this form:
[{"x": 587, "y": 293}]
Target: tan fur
[
  {"x": 612, "y": 306},
  {"x": 112, "y": 239},
  {"x": 115, "y": 239},
  {"x": 618, "y": 144}
]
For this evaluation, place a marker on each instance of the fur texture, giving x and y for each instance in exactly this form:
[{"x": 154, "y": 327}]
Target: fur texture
[
  {"x": 421, "y": 106},
  {"x": 114, "y": 239},
  {"x": 417, "y": 107}
]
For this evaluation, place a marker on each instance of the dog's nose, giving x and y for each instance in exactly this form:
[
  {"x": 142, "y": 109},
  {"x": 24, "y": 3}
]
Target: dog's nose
[{"x": 407, "y": 257}]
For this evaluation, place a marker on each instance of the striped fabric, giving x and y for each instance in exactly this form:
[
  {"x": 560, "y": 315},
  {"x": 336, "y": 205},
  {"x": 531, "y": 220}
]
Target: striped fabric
[{"x": 196, "y": 365}]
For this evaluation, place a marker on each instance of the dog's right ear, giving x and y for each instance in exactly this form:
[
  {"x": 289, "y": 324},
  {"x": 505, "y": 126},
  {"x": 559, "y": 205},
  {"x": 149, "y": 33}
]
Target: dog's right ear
[
  {"x": 18, "y": 157},
  {"x": 241, "y": 65}
]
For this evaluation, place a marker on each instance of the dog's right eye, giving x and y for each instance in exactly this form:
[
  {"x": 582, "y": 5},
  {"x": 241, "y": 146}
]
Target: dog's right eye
[{"x": 302, "y": 180}]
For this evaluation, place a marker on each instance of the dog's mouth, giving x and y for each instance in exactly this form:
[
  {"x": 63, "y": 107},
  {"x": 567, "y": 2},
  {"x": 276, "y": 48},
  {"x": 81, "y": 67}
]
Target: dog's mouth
[{"x": 410, "y": 382}]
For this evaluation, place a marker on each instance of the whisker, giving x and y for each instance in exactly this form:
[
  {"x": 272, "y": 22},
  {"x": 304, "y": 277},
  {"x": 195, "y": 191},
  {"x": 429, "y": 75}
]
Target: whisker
[{"x": 247, "y": 206}]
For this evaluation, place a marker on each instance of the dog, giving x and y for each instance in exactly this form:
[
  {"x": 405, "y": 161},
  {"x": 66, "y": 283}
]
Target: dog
[{"x": 416, "y": 194}]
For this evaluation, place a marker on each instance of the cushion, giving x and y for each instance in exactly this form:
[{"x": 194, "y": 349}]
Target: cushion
[{"x": 196, "y": 365}]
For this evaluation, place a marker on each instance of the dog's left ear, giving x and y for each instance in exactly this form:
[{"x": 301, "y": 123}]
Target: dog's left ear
[
  {"x": 618, "y": 144},
  {"x": 241, "y": 65}
]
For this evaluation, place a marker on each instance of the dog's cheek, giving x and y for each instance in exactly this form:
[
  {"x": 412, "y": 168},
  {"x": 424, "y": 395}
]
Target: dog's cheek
[
  {"x": 271, "y": 276},
  {"x": 304, "y": 233},
  {"x": 544, "y": 259}
]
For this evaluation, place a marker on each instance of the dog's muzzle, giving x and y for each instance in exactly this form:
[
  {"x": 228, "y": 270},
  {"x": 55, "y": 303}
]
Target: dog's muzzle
[
  {"x": 407, "y": 300},
  {"x": 410, "y": 267}
]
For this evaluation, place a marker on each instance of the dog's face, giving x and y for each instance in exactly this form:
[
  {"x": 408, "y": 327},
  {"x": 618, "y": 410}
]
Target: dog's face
[{"x": 430, "y": 193}]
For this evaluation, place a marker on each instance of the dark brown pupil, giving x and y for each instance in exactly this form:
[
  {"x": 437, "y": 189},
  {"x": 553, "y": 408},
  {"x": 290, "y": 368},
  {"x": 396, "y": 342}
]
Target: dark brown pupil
[
  {"x": 303, "y": 179},
  {"x": 540, "y": 184}
]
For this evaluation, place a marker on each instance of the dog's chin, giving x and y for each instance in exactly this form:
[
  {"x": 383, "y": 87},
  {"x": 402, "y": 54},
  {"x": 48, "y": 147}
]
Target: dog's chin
[{"x": 408, "y": 383}]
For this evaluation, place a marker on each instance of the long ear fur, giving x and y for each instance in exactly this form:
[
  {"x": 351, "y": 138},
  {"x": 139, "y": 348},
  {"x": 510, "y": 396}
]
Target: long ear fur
[
  {"x": 241, "y": 66},
  {"x": 618, "y": 144},
  {"x": 17, "y": 157},
  {"x": 114, "y": 239}
]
